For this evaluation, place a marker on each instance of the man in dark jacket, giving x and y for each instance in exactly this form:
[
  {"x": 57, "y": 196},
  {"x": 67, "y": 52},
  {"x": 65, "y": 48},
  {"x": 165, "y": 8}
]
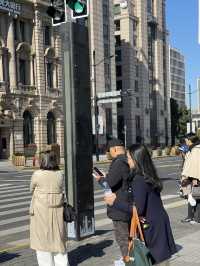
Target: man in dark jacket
[{"x": 118, "y": 180}]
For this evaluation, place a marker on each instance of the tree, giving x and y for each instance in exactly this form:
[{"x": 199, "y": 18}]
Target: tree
[
  {"x": 174, "y": 119},
  {"x": 179, "y": 119},
  {"x": 184, "y": 118}
]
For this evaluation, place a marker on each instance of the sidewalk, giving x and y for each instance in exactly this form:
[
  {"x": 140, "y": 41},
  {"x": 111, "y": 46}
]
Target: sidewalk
[{"x": 101, "y": 249}]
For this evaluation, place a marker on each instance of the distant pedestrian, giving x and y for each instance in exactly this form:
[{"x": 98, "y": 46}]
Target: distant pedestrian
[
  {"x": 47, "y": 228},
  {"x": 118, "y": 180},
  {"x": 191, "y": 176},
  {"x": 146, "y": 188}
]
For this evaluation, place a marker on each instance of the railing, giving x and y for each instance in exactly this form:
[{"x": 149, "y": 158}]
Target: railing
[
  {"x": 151, "y": 19},
  {"x": 26, "y": 89},
  {"x": 3, "y": 87}
]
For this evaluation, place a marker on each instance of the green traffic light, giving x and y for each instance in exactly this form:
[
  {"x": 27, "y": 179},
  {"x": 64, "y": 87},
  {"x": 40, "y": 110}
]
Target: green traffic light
[{"x": 78, "y": 7}]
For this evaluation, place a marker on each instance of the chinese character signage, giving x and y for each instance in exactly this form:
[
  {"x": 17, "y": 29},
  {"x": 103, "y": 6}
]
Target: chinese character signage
[{"x": 10, "y": 6}]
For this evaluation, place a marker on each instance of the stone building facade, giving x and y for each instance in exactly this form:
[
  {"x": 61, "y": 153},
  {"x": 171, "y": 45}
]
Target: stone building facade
[
  {"x": 31, "y": 114},
  {"x": 142, "y": 71},
  {"x": 103, "y": 45},
  {"x": 177, "y": 76}
]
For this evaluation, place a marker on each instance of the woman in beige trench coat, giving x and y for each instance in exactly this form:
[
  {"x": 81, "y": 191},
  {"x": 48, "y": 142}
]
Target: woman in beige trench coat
[
  {"x": 191, "y": 176},
  {"x": 47, "y": 228}
]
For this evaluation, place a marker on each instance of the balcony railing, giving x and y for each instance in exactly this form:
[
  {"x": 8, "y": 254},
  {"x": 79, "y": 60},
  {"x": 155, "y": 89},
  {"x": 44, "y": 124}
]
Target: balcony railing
[
  {"x": 152, "y": 20},
  {"x": 3, "y": 86},
  {"x": 26, "y": 89}
]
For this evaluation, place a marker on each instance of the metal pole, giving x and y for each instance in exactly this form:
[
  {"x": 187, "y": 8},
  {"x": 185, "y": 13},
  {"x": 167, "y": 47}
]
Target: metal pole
[
  {"x": 96, "y": 109},
  {"x": 190, "y": 99}
]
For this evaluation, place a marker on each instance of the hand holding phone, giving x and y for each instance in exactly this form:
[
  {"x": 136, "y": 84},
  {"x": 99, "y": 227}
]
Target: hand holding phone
[{"x": 97, "y": 171}]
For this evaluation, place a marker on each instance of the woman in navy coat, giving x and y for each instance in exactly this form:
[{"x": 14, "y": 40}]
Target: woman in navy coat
[{"x": 146, "y": 188}]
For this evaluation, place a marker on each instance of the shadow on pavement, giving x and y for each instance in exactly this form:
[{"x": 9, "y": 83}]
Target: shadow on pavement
[
  {"x": 102, "y": 232},
  {"x": 87, "y": 251},
  {"x": 7, "y": 256}
]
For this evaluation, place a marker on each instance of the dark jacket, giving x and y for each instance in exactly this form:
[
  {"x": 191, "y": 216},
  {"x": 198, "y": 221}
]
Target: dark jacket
[
  {"x": 117, "y": 178},
  {"x": 158, "y": 236}
]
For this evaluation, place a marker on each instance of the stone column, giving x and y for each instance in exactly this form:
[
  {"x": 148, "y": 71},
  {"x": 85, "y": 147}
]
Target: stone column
[
  {"x": 12, "y": 63},
  {"x": 1, "y": 64},
  {"x": 60, "y": 135},
  {"x": 18, "y": 134},
  {"x": 39, "y": 49}
]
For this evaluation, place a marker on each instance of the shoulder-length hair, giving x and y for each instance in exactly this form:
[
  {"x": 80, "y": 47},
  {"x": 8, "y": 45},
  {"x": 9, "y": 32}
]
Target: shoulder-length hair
[
  {"x": 49, "y": 161},
  {"x": 145, "y": 166}
]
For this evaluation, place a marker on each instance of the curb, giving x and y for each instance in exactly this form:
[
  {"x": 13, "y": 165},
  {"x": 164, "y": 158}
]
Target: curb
[{"x": 94, "y": 162}]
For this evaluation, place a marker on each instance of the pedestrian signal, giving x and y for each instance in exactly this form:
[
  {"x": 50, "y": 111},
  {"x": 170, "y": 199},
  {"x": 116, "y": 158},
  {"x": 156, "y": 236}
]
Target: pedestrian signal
[
  {"x": 57, "y": 11},
  {"x": 80, "y": 8}
]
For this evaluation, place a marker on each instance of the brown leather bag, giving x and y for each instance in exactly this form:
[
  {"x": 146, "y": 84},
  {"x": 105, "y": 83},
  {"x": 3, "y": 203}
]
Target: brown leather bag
[{"x": 135, "y": 231}]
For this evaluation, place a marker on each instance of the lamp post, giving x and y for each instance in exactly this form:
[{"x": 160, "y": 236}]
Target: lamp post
[{"x": 96, "y": 108}]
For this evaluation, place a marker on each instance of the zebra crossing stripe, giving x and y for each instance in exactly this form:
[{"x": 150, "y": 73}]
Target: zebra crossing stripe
[
  {"x": 9, "y": 191},
  {"x": 14, "y": 205},
  {"x": 13, "y": 199},
  {"x": 15, "y": 230},
  {"x": 2, "y": 213},
  {"x": 13, "y": 187},
  {"x": 4, "y": 185},
  {"x": 16, "y": 194},
  {"x": 15, "y": 219}
]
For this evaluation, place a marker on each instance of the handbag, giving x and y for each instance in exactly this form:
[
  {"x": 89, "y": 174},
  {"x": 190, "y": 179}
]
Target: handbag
[
  {"x": 139, "y": 254},
  {"x": 196, "y": 192},
  {"x": 69, "y": 213}
]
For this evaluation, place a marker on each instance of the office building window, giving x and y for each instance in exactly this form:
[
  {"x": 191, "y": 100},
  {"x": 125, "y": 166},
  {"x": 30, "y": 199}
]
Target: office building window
[
  {"x": 50, "y": 75},
  {"x": 28, "y": 128},
  {"x": 119, "y": 85},
  {"x": 136, "y": 85},
  {"x": 117, "y": 25},
  {"x": 119, "y": 71},
  {"x": 109, "y": 121},
  {"x": 47, "y": 35},
  {"x": 22, "y": 71},
  {"x": 137, "y": 102},
  {"x": 137, "y": 125},
  {"x": 118, "y": 54},
  {"x": 22, "y": 30},
  {"x": 117, "y": 40},
  {"x": 51, "y": 128},
  {"x": 117, "y": 9}
]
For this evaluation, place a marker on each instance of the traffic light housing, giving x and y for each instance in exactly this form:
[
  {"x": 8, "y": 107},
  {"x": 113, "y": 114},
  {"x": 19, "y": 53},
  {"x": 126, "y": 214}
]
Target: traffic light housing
[
  {"x": 80, "y": 8},
  {"x": 58, "y": 12}
]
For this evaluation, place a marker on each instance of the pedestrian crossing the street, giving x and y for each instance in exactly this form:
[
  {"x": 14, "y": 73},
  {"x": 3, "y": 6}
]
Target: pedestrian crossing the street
[{"x": 14, "y": 217}]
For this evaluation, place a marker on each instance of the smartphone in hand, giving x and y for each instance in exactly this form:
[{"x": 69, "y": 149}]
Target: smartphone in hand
[{"x": 96, "y": 171}]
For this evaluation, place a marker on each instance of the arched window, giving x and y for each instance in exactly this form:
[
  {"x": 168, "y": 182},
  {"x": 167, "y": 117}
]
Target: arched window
[
  {"x": 51, "y": 128},
  {"x": 28, "y": 128}
]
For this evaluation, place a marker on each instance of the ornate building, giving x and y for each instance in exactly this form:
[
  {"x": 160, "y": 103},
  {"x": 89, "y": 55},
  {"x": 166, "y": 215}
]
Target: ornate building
[
  {"x": 31, "y": 115},
  {"x": 142, "y": 71}
]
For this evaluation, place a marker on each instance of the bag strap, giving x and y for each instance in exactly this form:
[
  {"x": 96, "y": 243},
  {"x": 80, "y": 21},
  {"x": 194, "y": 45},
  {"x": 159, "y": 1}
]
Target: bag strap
[{"x": 136, "y": 226}]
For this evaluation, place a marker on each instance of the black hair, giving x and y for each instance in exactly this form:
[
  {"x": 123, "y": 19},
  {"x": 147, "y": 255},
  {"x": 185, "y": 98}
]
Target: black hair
[
  {"x": 144, "y": 166},
  {"x": 192, "y": 137},
  {"x": 49, "y": 161}
]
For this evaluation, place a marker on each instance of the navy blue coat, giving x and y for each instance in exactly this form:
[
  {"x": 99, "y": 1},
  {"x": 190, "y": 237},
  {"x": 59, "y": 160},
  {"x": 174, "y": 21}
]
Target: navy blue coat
[{"x": 158, "y": 236}]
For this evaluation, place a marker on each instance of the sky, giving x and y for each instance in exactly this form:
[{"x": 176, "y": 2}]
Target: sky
[{"x": 182, "y": 23}]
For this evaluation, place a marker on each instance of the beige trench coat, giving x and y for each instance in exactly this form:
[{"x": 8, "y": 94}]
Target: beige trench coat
[
  {"x": 191, "y": 166},
  {"x": 47, "y": 228}
]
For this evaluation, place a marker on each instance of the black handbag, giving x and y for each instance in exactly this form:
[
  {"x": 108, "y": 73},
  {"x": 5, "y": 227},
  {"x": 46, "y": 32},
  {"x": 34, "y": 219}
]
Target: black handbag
[
  {"x": 69, "y": 213},
  {"x": 196, "y": 192}
]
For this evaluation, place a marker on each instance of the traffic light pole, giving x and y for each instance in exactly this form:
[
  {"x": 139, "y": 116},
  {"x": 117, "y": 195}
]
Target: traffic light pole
[
  {"x": 190, "y": 100},
  {"x": 68, "y": 108},
  {"x": 96, "y": 109}
]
